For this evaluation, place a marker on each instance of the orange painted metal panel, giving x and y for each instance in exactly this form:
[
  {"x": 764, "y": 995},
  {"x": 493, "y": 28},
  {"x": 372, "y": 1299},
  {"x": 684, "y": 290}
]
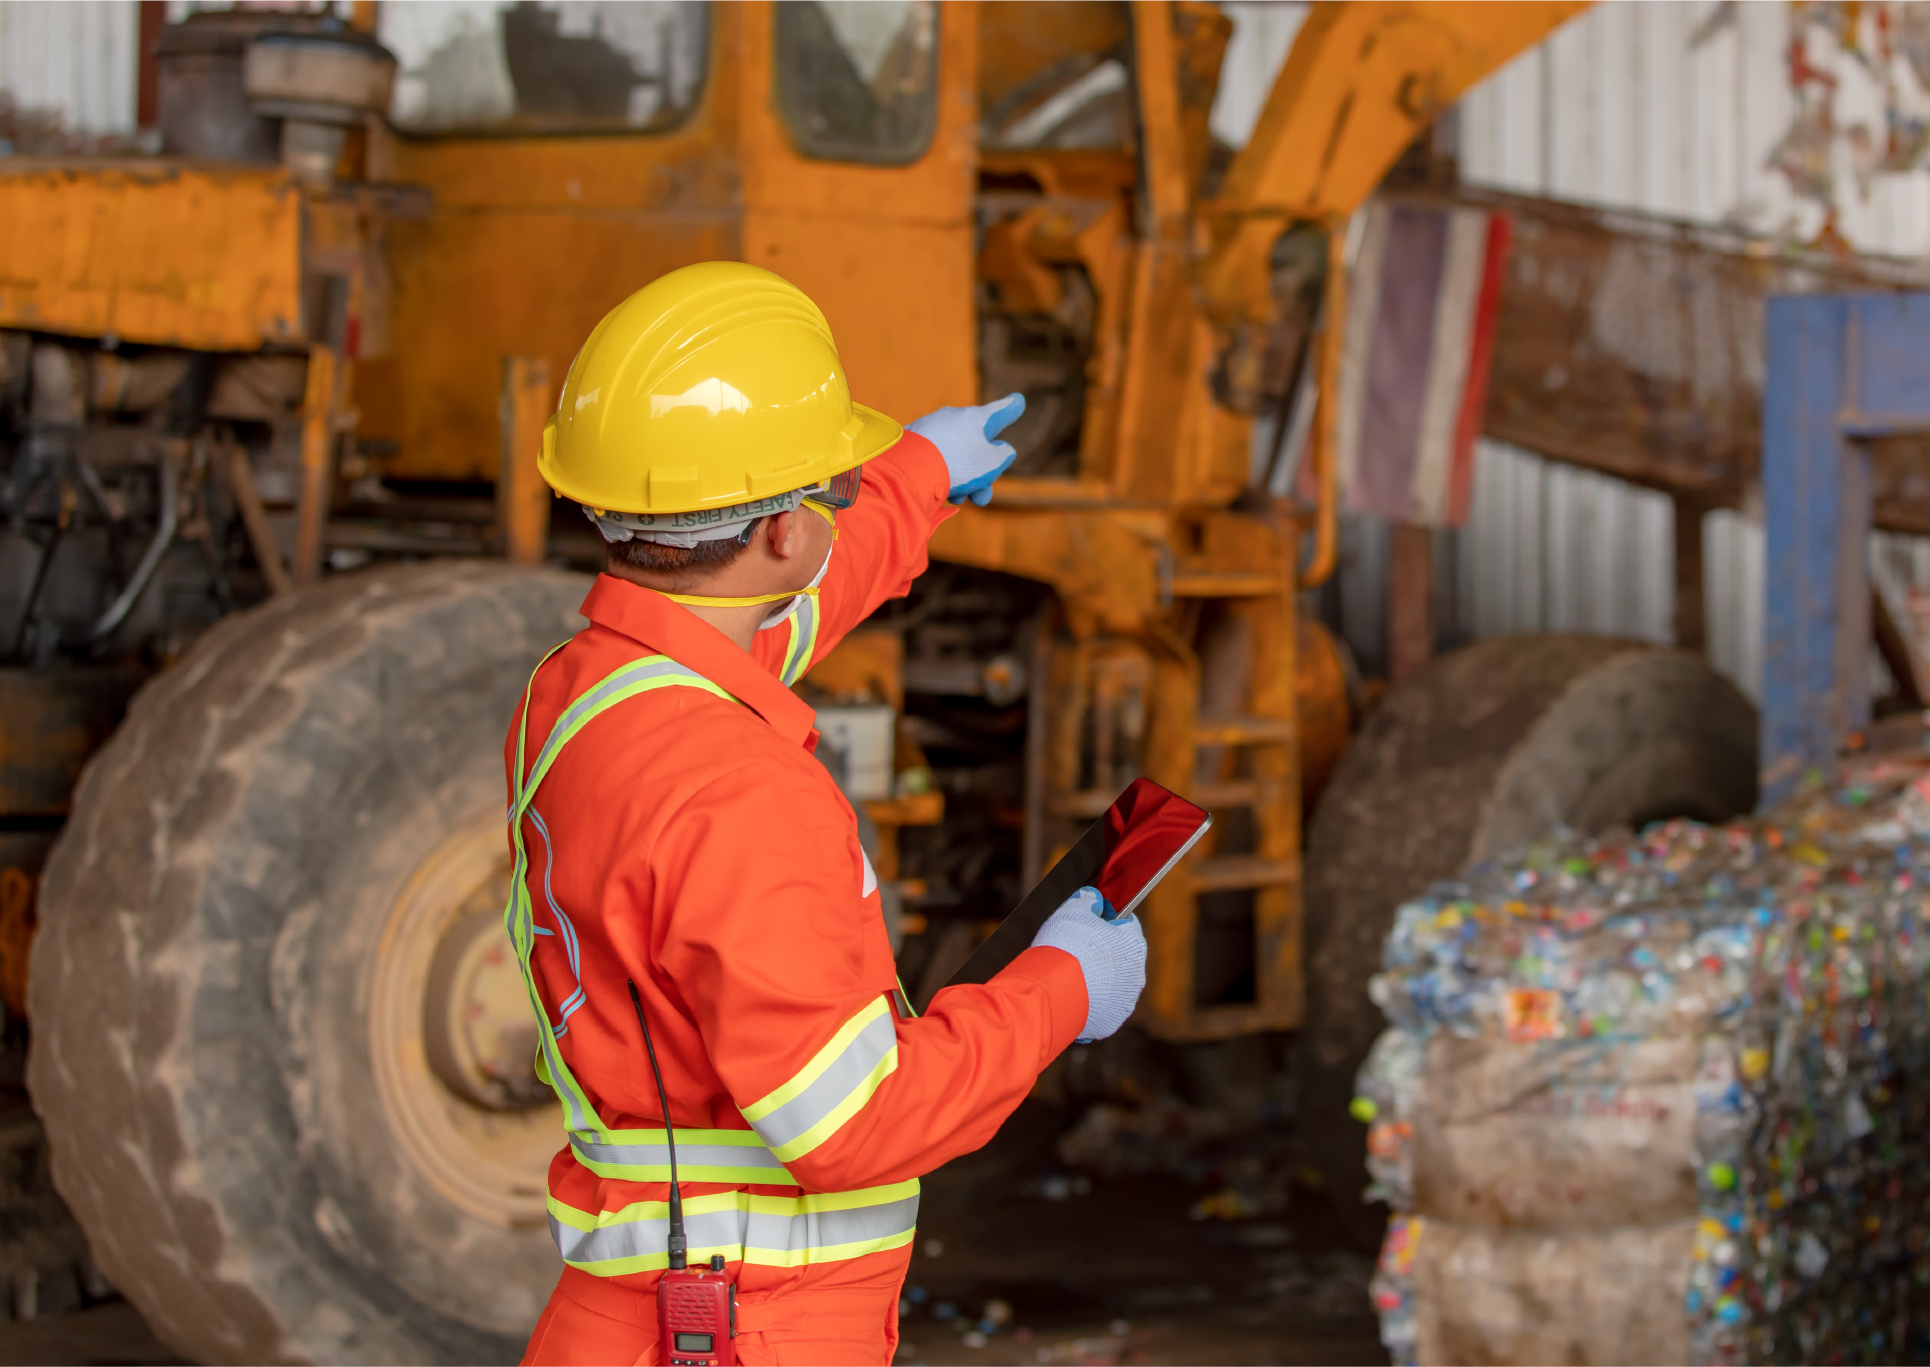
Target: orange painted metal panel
[
  {"x": 529, "y": 242},
  {"x": 1020, "y": 39},
  {"x": 470, "y": 289},
  {"x": 885, "y": 251},
  {"x": 163, "y": 252},
  {"x": 898, "y": 297},
  {"x": 1103, "y": 561}
]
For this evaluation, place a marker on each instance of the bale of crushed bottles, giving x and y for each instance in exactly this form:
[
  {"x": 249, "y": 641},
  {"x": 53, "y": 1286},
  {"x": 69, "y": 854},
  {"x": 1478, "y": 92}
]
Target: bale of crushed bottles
[{"x": 1666, "y": 1097}]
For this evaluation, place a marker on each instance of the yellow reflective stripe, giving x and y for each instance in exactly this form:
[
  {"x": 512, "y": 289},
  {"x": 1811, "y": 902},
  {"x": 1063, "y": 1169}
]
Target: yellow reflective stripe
[
  {"x": 626, "y": 681},
  {"x": 832, "y": 1087},
  {"x": 818, "y": 1202},
  {"x": 519, "y": 920},
  {"x": 820, "y": 1061},
  {"x": 802, "y": 642},
  {"x": 835, "y": 1253},
  {"x": 843, "y": 1111},
  {"x": 767, "y": 1231}
]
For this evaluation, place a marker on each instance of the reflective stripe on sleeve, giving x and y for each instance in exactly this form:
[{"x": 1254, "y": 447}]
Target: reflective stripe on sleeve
[
  {"x": 728, "y": 1156},
  {"x": 830, "y": 1089},
  {"x": 766, "y": 1231}
]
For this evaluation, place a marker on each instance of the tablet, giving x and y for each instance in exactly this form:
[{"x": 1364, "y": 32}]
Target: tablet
[{"x": 1141, "y": 838}]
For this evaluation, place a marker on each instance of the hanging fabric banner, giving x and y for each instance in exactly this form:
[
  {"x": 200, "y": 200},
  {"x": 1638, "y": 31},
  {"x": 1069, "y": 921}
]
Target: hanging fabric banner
[{"x": 1425, "y": 293}]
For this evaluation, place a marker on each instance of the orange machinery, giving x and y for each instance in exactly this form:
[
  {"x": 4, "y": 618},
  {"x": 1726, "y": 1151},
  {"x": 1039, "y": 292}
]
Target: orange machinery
[
  {"x": 440, "y": 316},
  {"x": 979, "y": 195}
]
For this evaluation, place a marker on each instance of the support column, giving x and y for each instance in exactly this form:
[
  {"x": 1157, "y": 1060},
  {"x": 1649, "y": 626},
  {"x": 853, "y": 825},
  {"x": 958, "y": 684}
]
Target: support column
[
  {"x": 522, "y": 498},
  {"x": 318, "y": 463},
  {"x": 1816, "y": 529},
  {"x": 1691, "y": 610},
  {"x": 1410, "y": 600}
]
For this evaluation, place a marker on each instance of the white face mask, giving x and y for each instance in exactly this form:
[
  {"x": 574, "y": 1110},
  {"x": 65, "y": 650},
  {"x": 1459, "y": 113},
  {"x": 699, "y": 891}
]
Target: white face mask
[{"x": 781, "y": 612}]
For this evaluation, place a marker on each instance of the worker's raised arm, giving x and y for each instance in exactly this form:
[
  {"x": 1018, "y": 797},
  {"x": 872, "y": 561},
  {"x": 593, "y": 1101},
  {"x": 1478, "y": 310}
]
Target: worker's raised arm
[
  {"x": 882, "y": 538},
  {"x": 944, "y": 459},
  {"x": 777, "y": 947}
]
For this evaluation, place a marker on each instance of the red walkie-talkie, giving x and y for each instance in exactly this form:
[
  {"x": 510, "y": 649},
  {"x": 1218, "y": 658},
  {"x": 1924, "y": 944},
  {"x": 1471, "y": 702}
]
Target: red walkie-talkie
[{"x": 696, "y": 1306}]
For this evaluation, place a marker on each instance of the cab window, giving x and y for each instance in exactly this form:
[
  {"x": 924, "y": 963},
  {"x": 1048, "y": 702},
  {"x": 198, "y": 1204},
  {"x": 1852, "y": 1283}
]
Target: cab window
[
  {"x": 857, "y": 80},
  {"x": 546, "y": 66}
]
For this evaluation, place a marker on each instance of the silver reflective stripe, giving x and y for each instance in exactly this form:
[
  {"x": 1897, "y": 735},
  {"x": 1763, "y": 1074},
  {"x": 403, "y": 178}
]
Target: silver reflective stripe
[
  {"x": 648, "y": 1238},
  {"x": 807, "y": 1231},
  {"x": 696, "y": 1161},
  {"x": 850, "y": 1075},
  {"x": 770, "y": 1231}
]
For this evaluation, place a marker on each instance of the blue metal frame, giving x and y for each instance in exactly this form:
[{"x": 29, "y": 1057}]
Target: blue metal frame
[{"x": 1841, "y": 369}]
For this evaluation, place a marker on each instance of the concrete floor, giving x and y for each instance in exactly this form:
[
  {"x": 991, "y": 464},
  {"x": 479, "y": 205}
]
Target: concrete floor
[
  {"x": 110, "y": 1333},
  {"x": 1122, "y": 1274}
]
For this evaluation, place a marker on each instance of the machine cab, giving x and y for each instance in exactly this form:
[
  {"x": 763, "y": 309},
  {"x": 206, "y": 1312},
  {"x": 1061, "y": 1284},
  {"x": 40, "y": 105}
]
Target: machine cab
[{"x": 577, "y": 151}]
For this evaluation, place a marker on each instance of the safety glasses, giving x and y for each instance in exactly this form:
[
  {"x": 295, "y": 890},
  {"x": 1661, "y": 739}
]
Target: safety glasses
[{"x": 840, "y": 491}]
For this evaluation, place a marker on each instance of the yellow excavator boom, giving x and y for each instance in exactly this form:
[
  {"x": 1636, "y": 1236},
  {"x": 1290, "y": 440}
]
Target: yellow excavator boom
[{"x": 1364, "y": 78}]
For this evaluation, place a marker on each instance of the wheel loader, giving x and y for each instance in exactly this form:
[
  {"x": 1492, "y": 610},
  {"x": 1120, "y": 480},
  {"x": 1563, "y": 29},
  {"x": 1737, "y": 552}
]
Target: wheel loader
[{"x": 277, "y": 564}]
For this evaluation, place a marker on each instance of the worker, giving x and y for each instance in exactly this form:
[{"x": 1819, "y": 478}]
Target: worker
[{"x": 673, "y": 830}]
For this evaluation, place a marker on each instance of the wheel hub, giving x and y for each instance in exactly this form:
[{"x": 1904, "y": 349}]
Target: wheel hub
[
  {"x": 477, "y": 1027},
  {"x": 452, "y": 1037}
]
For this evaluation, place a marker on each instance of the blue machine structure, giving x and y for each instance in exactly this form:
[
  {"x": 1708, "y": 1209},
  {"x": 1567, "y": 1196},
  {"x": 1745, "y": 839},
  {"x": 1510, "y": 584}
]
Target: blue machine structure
[{"x": 1843, "y": 370}]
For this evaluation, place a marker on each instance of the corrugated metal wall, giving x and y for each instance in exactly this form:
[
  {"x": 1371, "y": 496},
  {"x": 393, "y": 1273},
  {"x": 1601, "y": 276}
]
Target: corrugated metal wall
[
  {"x": 1673, "y": 108},
  {"x": 1638, "y": 105},
  {"x": 74, "y": 56}
]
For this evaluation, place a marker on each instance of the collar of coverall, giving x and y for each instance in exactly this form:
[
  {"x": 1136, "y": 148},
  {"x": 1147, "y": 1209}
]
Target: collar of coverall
[{"x": 661, "y": 627}]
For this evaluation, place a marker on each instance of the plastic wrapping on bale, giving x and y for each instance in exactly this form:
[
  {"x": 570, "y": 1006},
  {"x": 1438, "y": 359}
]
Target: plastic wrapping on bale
[{"x": 1699, "y": 1056}]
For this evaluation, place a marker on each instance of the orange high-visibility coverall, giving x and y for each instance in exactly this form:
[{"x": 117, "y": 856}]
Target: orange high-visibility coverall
[{"x": 700, "y": 851}]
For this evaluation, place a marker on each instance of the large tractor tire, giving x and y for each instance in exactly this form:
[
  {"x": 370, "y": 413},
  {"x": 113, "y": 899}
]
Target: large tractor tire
[
  {"x": 1482, "y": 752},
  {"x": 280, "y": 1046}
]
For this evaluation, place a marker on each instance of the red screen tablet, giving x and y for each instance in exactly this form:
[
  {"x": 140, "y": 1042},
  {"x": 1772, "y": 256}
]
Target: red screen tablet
[{"x": 1141, "y": 838}]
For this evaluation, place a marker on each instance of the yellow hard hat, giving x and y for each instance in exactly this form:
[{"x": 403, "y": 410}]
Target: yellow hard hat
[{"x": 711, "y": 386}]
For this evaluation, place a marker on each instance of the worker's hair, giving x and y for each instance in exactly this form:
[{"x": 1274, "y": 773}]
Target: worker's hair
[{"x": 681, "y": 564}]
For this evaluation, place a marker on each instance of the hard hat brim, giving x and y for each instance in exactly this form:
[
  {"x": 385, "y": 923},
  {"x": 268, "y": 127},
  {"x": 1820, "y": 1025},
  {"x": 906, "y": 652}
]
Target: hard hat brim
[
  {"x": 878, "y": 435},
  {"x": 875, "y": 435}
]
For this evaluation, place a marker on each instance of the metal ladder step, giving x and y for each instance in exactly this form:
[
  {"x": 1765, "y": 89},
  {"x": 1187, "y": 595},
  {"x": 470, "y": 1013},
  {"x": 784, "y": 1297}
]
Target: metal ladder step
[
  {"x": 1221, "y": 794},
  {"x": 1235, "y": 871},
  {"x": 1228, "y": 584},
  {"x": 1243, "y": 730}
]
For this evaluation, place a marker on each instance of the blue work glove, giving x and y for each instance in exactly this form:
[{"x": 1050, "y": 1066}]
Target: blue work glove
[
  {"x": 1111, "y": 950},
  {"x": 967, "y": 439}
]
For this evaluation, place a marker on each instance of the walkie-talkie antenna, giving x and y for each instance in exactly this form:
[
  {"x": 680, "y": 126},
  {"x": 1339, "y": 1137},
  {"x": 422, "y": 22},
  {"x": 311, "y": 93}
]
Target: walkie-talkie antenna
[{"x": 678, "y": 1247}]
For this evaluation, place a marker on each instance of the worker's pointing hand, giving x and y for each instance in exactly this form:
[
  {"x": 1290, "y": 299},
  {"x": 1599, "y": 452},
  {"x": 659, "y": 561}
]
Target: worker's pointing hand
[
  {"x": 968, "y": 440},
  {"x": 1111, "y": 950}
]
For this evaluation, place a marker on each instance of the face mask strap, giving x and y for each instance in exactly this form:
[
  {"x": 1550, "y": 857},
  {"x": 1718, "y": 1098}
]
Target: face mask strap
[
  {"x": 825, "y": 511},
  {"x": 795, "y": 596}
]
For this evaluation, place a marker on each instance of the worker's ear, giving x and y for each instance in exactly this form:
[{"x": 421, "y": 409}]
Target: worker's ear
[{"x": 783, "y": 536}]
